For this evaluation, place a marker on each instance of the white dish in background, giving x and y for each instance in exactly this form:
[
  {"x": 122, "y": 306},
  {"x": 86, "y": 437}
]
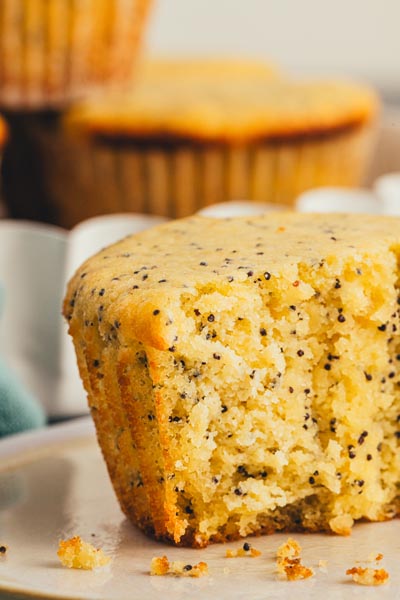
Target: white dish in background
[
  {"x": 338, "y": 200},
  {"x": 31, "y": 273},
  {"x": 53, "y": 485},
  {"x": 240, "y": 208},
  {"x": 36, "y": 261},
  {"x": 387, "y": 189}
]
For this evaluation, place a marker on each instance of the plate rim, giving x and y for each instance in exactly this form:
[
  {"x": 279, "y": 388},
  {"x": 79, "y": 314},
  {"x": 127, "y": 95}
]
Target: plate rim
[
  {"x": 26, "y": 445},
  {"x": 58, "y": 436}
]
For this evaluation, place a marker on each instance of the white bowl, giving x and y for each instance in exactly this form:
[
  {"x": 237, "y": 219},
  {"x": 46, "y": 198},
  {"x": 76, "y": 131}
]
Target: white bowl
[
  {"x": 338, "y": 200},
  {"x": 387, "y": 190}
]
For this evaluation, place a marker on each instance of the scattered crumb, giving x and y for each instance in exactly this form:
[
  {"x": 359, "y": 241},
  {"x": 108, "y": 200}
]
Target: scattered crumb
[
  {"x": 373, "y": 557},
  {"x": 226, "y": 570},
  {"x": 246, "y": 550},
  {"x": 289, "y": 562},
  {"x": 342, "y": 524},
  {"x": 3, "y": 549},
  {"x": 77, "y": 554},
  {"x": 160, "y": 565},
  {"x": 294, "y": 570},
  {"x": 289, "y": 549},
  {"x": 368, "y": 576},
  {"x": 180, "y": 568},
  {"x": 323, "y": 565}
]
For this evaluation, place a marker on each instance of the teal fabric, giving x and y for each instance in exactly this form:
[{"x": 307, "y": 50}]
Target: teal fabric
[{"x": 19, "y": 410}]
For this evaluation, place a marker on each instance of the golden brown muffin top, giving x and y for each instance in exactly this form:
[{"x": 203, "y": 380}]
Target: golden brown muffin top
[
  {"x": 197, "y": 69},
  {"x": 223, "y": 101},
  {"x": 136, "y": 286}
]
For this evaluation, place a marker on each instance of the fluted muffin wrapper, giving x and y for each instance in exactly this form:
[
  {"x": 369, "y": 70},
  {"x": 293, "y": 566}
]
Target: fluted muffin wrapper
[
  {"x": 53, "y": 51},
  {"x": 82, "y": 178}
]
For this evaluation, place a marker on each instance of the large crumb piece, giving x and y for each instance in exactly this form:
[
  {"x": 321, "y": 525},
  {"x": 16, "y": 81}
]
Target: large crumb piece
[
  {"x": 289, "y": 549},
  {"x": 294, "y": 570},
  {"x": 342, "y": 524},
  {"x": 160, "y": 565},
  {"x": 368, "y": 576},
  {"x": 289, "y": 562},
  {"x": 77, "y": 554},
  {"x": 246, "y": 550}
]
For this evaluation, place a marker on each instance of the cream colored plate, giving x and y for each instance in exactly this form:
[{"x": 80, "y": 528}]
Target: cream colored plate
[{"x": 53, "y": 485}]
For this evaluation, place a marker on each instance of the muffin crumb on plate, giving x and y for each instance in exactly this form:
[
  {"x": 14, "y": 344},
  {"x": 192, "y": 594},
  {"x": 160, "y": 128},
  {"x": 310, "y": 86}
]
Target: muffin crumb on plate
[
  {"x": 74, "y": 553},
  {"x": 160, "y": 565}
]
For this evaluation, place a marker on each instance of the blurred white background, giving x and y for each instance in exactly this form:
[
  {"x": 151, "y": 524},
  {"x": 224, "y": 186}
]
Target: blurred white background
[{"x": 352, "y": 37}]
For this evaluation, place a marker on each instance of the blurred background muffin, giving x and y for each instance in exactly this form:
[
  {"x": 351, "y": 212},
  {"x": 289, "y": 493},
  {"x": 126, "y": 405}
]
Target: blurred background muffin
[
  {"x": 53, "y": 51},
  {"x": 68, "y": 176},
  {"x": 187, "y": 133},
  {"x": 194, "y": 133}
]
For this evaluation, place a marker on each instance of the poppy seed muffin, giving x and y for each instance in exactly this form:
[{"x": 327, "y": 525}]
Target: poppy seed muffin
[
  {"x": 197, "y": 132},
  {"x": 55, "y": 51},
  {"x": 243, "y": 373},
  {"x": 180, "y": 143}
]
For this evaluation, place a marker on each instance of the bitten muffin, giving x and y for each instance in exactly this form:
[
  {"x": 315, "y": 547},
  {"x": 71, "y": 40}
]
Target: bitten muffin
[
  {"x": 200, "y": 133},
  {"x": 54, "y": 51},
  {"x": 243, "y": 373}
]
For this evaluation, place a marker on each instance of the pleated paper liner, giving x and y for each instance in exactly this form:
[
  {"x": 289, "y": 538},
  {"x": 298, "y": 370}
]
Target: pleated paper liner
[
  {"x": 79, "y": 179},
  {"x": 53, "y": 51}
]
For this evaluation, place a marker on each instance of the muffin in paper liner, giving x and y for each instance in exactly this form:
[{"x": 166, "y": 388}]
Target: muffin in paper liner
[
  {"x": 54, "y": 51},
  {"x": 176, "y": 144},
  {"x": 229, "y": 363}
]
